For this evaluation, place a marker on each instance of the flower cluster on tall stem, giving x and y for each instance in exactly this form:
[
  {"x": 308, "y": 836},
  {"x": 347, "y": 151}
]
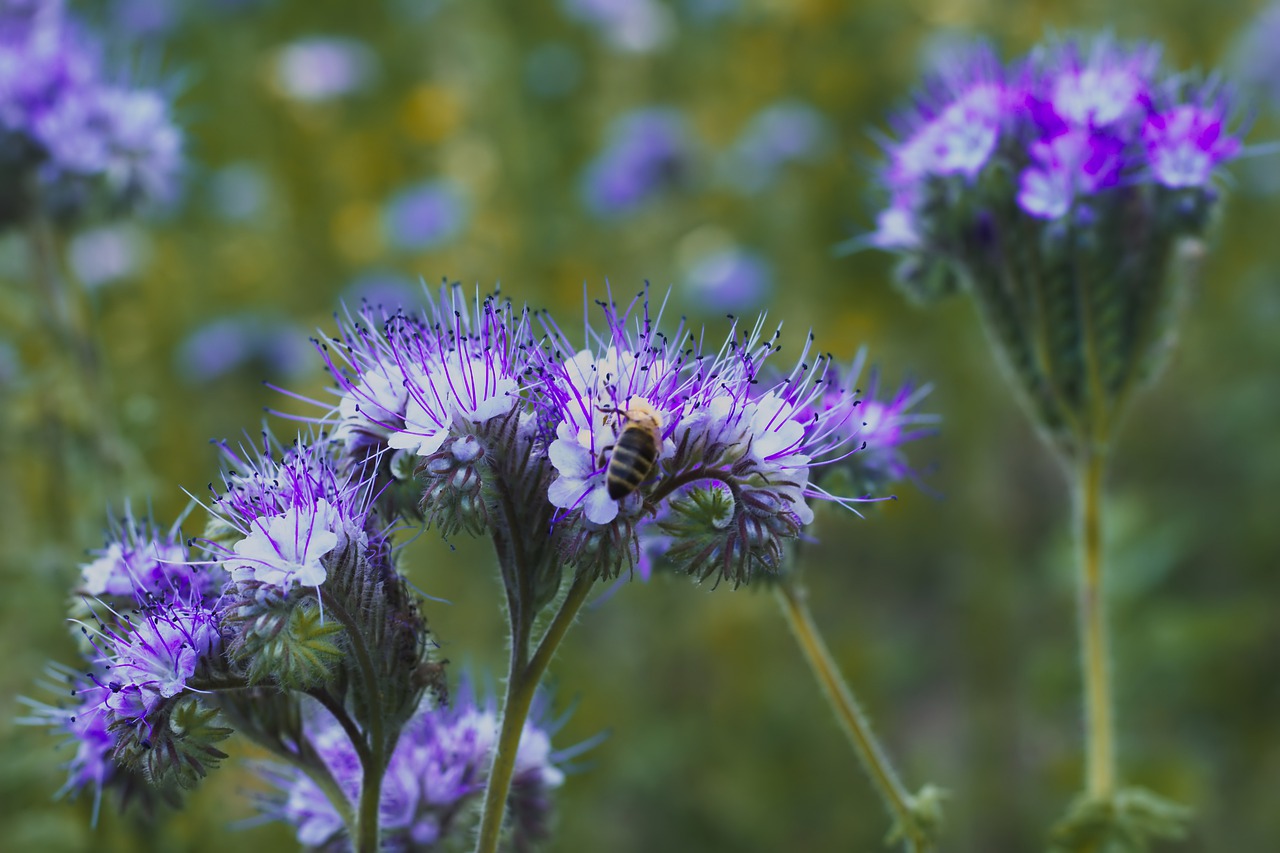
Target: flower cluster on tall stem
[{"x": 1070, "y": 194}]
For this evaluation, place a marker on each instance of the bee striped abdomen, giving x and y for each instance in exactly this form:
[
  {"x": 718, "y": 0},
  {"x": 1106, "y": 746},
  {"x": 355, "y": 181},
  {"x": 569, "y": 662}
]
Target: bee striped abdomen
[{"x": 631, "y": 461}]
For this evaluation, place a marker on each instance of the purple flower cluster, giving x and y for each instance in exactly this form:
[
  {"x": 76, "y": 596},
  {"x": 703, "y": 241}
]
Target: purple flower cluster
[
  {"x": 68, "y": 133},
  {"x": 153, "y": 622},
  {"x": 433, "y": 780},
  {"x": 1073, "y": 122},
  {"x": 473, "y": 392}
]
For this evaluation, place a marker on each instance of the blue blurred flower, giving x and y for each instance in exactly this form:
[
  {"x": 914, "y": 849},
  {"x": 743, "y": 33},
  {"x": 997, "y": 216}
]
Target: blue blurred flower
[
  {"x": 383, "y": 290},
  {"x": 729, "y": 279},
  {"x": 632, "y": 26},
  {"x": 239, "y": 192},
  {"x": 648, "y": 151},
  {"x": 434, "y": 778},
  {"x": 787, "y": 132},
  {"x": 108, "y": 253},
  {"x": 322, "y": 68},
  {"x": 425, "y": 216},
  {"x": 229, "y": 343}
]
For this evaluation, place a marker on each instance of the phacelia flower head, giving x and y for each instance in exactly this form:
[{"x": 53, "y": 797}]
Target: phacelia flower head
[
  {"x": 411, "y": 381},
  {"x": 648, "y": 151},
  {"x": 146, "y": 660},
  {"x": 1067, "y": 192},
  {"x": 731, "y": 454},
  {"x": 284, "y": 515},
  {"x": 140, "y": 560},
  {"x": 434, "y": 778}
]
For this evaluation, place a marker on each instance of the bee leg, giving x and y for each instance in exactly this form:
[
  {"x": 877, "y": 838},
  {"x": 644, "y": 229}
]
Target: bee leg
[{"x": 601, "y": 461}]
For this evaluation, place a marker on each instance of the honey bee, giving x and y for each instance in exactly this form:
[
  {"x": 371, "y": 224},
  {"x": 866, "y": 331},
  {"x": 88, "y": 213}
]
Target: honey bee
[{"x": 636, "y": 450}]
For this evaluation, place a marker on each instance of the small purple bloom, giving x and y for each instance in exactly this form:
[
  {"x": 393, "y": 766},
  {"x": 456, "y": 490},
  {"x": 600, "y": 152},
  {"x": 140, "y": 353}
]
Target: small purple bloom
[
  {"x": 284, "y": 515},
  {"x": 85, "y": 725},
  {"x": 410, "y": 383},
  {"x": 142, "y": 663},
  {"x": 425, "y": 216},
  {"x": 649, "y": 151},
  {"x": 141, "y": 561},
  {"x": 1185, "y": 144},
  {"x": 1074, "y": 164},
  {"x": 1110, "y": 85}
]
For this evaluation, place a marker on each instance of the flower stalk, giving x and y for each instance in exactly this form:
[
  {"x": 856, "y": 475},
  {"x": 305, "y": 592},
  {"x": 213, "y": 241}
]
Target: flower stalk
[
  {"x": 902, "y": 806},
  {"x": 522, "y": 685},
  {"x": 1100, "y": 748}
]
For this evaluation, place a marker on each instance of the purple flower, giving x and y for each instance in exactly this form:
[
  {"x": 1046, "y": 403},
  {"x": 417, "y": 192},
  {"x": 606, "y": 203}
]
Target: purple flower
[
  {"x": 1074, "y": 164},
  {"x": 229, "y": 343},
  {"x": 1185, "y": 144},
  {"x": 142, "y": 663},
  {"x": 56, "y": 98},
  {"x": 1074, "y": 119},
  {"x": 648, "y": 152},
  {"x": 1109, "y": 86},
  {"x": 410, "y": 383},
  {"x": 883, "y": 424},
  {"x": 956, "y": 124},
  {"x": 434, "y": 777},
  {"x": 717, "y": 423},
  {"x": 85, "y": 725},
  {"x": 139, "y": 560},
  {"x": 425, "y": 216},
  {"x": 282, "y": 516}
]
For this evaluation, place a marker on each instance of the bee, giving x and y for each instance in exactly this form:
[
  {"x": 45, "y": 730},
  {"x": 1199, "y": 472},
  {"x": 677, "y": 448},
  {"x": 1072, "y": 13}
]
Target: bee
[{"x": 636, "y": 450}]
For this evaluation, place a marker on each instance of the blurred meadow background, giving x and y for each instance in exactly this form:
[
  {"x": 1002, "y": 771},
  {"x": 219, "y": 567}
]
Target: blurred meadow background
[{"x": 340, "y": 151}]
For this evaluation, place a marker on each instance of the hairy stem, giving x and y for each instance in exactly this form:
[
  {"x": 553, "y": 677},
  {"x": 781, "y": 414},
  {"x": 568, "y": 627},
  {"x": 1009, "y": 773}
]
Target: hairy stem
[
  {"x": 1099, "y": 749},
  {"x": 373, "y": 761},
  {"x": 522, "y": 683},
  {"x": 792, "y": 597}
]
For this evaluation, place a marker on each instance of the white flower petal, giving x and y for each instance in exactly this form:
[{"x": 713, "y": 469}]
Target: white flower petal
[{"x": 599, "y": 507}]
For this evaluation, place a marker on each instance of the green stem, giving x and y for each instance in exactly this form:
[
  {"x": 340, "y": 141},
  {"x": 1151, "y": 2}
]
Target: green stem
[
  {"x": 374, "y": 761},
  {"x": 1100, "y": 749},
  {"x": 522, "y": 683},
  {"x": 899, "y": 801}
]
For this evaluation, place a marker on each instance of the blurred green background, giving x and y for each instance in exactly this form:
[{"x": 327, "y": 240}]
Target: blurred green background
[{"x": 951, "y": 614}]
